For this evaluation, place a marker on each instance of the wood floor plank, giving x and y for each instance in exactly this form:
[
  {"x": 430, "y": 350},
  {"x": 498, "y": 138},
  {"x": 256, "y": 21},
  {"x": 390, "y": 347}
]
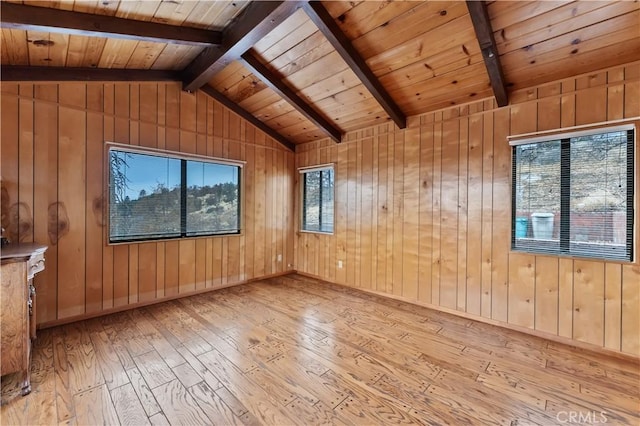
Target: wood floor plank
[
  {"x": 128, "y": 407},
  {"x": 112, "y": 370},
  {"x": 64, "y": 395},
  {"x": 84, "y": 372},
  {"x": 257, "y": 401},
  {"x": 154, "y": 370},
  {"x": 94, "y": 407},
  {"x": 293, "y": 350},
  {"x": 159, "y": 419},
  {"x": 143, "y": 392},
  {"x": 178, "y": 405},
  {"x": 213, "y": 406}
]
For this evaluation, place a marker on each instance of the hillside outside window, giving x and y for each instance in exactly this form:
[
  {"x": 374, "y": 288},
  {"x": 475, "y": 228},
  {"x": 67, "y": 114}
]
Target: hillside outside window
[
  {"x": 573, "y": 194},
  {"x": 158, "y": 195}
]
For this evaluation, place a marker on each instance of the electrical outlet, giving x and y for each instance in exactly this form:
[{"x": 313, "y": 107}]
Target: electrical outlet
[
  {"x": 339, "y": 263},
  {"x": 279, "y": 258}
]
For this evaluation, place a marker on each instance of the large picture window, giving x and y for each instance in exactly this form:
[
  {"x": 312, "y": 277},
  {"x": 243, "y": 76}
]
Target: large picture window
[
  {"x": 317, "y": 199},
  {"x": 153, "y": 195},
  {"x": 573, "y": 194}
]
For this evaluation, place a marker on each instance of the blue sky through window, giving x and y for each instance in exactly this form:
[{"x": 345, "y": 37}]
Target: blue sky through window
[{"x": 147, "y": 172}]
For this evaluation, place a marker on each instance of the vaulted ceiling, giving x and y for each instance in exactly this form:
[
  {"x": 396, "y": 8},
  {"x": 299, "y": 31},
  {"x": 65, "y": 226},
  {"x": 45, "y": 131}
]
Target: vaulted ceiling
[{"x": 302, "y": 71}]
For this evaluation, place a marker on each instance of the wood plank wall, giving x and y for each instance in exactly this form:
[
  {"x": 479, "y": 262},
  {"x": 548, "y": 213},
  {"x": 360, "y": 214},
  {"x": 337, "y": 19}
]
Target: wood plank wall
[
  {"x": 424, "y": 214},
  {"x": 53, "y": 192}
]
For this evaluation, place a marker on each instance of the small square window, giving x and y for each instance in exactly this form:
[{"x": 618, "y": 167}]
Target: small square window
[{"x": 317, "y": 199}]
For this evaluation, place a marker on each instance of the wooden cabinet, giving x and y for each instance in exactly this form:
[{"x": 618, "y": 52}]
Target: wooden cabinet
[{"x": 19, "y": 264}]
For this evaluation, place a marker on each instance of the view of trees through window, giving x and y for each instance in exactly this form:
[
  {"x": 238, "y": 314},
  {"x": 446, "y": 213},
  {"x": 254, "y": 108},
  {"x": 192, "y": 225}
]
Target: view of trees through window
[
  {"x": 317, "y": 211},
  {"x": 154, "y": 196},
  {"x": 572, "y": 195}
]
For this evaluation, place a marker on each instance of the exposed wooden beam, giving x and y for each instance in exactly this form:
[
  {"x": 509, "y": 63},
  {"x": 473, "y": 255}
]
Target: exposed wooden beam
[
  {"x": 323, "y": 20},
  {"x": 256, "y": 21},
  {"x": 32, "y": 18},
  {"x": 275, "y": 82},
  {"x": 247, "y": 116},
  {"x": 25, "y": 73},
  {"x": 484, "y": 34}
]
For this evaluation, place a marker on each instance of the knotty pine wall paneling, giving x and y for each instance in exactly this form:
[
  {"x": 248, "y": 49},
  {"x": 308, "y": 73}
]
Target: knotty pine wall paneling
[
  {"x": 54, "y": 192},
  {"x": 424, "y": 214}
]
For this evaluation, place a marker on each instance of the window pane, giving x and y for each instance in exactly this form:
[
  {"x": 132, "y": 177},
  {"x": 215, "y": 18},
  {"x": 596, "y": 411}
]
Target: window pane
[
  {"x": 598, "y": 201},
  {"x": 326, "y": 182},
  {"x": 144, "y": 196},
  {"x": 537, "y": 196},
  {"x": 212, "y": 198},
  {"x": 317, "y": 212},
  {"x": 311, "y": 210}
]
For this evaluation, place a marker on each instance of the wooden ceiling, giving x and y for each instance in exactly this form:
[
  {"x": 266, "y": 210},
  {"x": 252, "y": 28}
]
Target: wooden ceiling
[{"x": 303, "y": 71}]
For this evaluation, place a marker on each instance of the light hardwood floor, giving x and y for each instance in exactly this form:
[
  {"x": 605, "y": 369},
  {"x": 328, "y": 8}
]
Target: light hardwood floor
[{"x": 291, "y": 350}]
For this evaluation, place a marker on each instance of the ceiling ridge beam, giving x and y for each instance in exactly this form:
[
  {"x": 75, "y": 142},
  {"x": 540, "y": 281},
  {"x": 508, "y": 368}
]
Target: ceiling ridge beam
[
  {"x": 275, "y": 82},
  {"x": 209, "y": 90},
  {"x": 33, "y": 18},
  {"x": 257, "y": 20},
  {"x": 484, "y": 34},
  {"x": 327, "y": 25},
  {"x": 28, "y": 73}
]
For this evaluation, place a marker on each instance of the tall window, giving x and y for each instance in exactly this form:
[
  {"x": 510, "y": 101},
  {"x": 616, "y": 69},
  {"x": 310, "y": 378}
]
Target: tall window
[
  {"x": 573, "y": 194},
  {"x": 317, "y": 199},
  {"x": 157, "y": 196}
]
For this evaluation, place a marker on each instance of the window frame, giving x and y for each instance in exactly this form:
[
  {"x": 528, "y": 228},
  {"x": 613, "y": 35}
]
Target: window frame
[
  {"x": 318, "y": 168},
  {"x": 564, "y": 138},
  {"x": 109, "y": 146}
]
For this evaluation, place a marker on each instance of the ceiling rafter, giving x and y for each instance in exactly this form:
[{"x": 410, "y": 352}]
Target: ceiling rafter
[
  {"x": 280, "y": 87},
  {"x": 30, "y": 73},
  {"x": 33, "y": 18},
  {"x": 484, "y": 34},
  {"x": 326, "y": 24},
  {"x": 256, "y": 21},
  {"x": 248, "y": 116}
]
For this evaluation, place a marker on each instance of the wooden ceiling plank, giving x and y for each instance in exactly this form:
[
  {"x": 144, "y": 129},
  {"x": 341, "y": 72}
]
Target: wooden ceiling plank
[
  {"x": 560, "y": 22},
  {"x": 256, "y": 21},
  {"x": 370, "y": 15},
  {"x": 425, "y": 18},
  {"x": 275, "y": 83},
  {"x": 337, "y": 83},
  {"x": 505, "y": 13},
  {"x": 38, "y": 54},
  {"x": 326, "y": 24},
  {"x": 439, "y": 40},
  {"x": 24, "y": 73},
  {"x": 607, "y": 32},
  {"x": 77, "y": 23},
  {"x": 591, "y": 57},
  {"x": 292, "y": 39},
  {"x": 250, "y": 118},
  {"x": 317, "y": 71},
  {"x": 452, "y": 60},
  {"x": 145, "y": 55},
  {"x": 302, "y": 54},
  {"x": 451, "y": 83},
  {"x": 173, "y": 57},
  {"x": 260, "y": 100},
  {"x": 484, "y": 34},
  {"x": 117, "y": 52},
  {"x": 282, "y": 33},
  {"x": 274, "y": 110}
]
